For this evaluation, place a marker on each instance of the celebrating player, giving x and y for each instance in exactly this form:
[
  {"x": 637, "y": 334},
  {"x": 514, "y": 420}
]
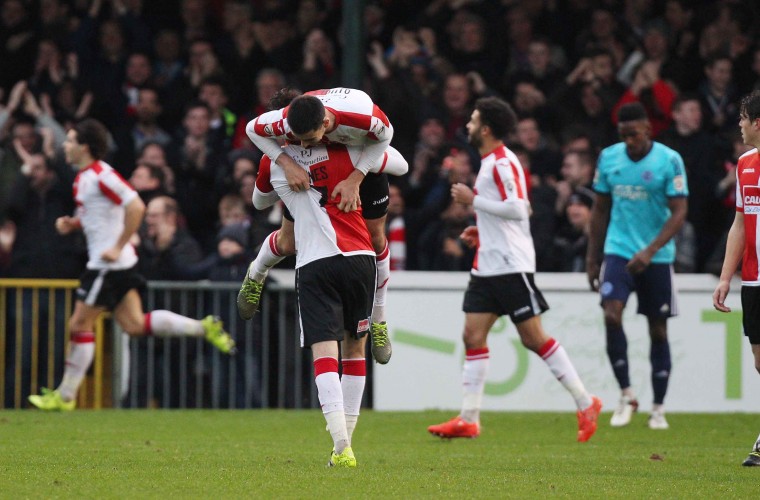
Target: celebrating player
[
  {"x": 501, "y": 280},
  {"x": 109, "y": 212}
]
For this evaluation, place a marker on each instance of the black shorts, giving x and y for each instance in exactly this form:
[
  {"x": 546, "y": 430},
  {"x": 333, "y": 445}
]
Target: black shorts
[
  {"x": 335, "y": 294},
  {"x": 512, "y": 294},
  {"x": 106, "y": 288},
  {"x": 751, "y": 313},
  {"x": 653, "y": 286},
  {"x": 374, "y": 195}
]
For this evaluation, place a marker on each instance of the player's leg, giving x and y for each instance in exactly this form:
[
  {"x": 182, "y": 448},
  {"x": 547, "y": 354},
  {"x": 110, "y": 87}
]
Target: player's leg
[
  {"x": 750, "y": 311},
  {"x": 78, "y": 360},
  {"x": 275, "y": 248},
  {"x": 474, "y": 372},
  {"x": 753, "y": 459},
  {"x": 526, "y": 303},
  {"x": 654, "y": 288},
  {"x": 615, "y": 286},
  {"x": 162, "y": 323},
  {"x": 374, "y": 196}
]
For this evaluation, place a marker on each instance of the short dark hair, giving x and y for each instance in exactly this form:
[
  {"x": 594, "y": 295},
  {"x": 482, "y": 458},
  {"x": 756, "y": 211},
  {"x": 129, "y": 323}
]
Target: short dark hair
[
  {"x": 282, "y": 98},
  {"x": 94, "y": 135},
  {"x": 154, "y": 171},
  {"x": 305, "y": 114},
  {"x": 497, "y": 114},
  {"x": 682, "y": 98},
  {"x": 750, "y": 105},
  {"x": 633, "y": 111}
]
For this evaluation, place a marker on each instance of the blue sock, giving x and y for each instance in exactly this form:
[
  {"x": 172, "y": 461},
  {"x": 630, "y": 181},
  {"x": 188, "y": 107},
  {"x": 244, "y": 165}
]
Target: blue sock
[
  {"x": 659, "y": 355},
  {"x": 617, "y": 351}
]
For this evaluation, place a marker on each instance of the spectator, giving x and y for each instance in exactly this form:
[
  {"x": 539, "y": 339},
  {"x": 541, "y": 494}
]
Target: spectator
[
  {"x": 149, "y": 181},
  {"x": 214, "y": 93},
  {"x": 577, "y": 172},
  {"x": 142, "y": 128},
  {"x": 571, "y": 240},
  {"x": 17, "y": 43},
  {"x": 545, "y": 160},
  {"x": 655, "y": 94},
  {"x": 718, "y": 95},
  {"x": 268, "y": 82}
]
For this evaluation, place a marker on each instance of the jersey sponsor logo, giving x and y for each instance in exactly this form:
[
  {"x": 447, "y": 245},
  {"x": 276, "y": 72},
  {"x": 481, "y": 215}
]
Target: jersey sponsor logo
[
  {"x": 748, "y": 171},
  {"x": 751, "y": 199},
  {"x": 628, "y": 192}
]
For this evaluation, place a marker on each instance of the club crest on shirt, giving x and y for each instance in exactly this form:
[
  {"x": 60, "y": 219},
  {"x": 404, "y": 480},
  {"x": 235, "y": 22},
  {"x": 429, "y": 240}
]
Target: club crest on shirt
[{"x": 647, "y": 175}]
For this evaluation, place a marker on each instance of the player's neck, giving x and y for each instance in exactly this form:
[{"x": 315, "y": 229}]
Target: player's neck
[
  {"x": 84, "y": 162},
  {"x": 489, "y": 145}
]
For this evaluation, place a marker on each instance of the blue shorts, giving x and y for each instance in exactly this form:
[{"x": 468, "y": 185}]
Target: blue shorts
[{"x": 653, "y": 287}]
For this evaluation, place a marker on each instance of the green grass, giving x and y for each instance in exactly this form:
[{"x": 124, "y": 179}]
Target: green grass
[{"x": 268, "y": 454}]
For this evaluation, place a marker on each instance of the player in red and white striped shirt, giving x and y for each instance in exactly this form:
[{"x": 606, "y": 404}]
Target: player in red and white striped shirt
[
  {"x": 109, "y": 212},
  {"x": 501, "y": 281},
  {"x": 742, "y": 243},
  {"x": 331, "y": 116}
]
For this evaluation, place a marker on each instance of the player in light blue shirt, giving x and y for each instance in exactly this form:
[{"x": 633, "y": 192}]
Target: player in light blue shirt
[{"x": 640, "y": 206}]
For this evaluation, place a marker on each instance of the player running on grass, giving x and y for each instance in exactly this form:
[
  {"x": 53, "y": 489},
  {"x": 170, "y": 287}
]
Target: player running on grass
[
  {"x": 501, "y": 281},
  {"x": 742, "y": 243},
  {"x": 343, "y": 116},
  {"x": 335, "y": 281},
  {"x": 109, "y": 211}
]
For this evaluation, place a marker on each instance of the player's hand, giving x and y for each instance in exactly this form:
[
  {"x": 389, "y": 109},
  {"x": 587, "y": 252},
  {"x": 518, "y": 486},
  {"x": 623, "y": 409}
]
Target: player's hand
[
  {"x": 592, "y": 273},
  {"x": 348, "y": 191},
  {"x": 639, "y": 262},
  {"x": 461, "y": 193},
  {"x": 66, "y": 224},
  {"x": 470, "y": 236},
  {"x": 298, "y": 178},
  {"x": 111, "y": 254},
  {"x": 719, "y": 296}
]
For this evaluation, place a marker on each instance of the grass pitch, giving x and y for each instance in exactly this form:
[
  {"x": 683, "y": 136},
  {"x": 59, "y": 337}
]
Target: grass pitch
[{"x": 272, "y": 454}]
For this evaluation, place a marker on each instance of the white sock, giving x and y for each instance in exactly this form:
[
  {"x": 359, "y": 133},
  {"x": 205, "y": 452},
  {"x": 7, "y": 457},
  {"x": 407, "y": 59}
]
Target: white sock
[
  {"x": 473, "y": 382},
  {"x": 78, "y": 361},
  {"x": 331, "y": 398},
  {"x": 559, "y": 363},
  {"x": 168, "y": 324},
  {"x": 352, "y": 383},
  {"x": 267, "y": 258},
  {"x": 757, "y": 445},
  {"x": 383, "y": 260}
]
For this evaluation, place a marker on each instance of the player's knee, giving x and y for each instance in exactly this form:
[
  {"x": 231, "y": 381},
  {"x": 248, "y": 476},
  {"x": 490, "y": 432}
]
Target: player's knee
[
  {"x": 133, "y": 326},
  {"x": 378, "y": 242},
  {"x": 473, "y": 339},
  {"x": 757, "y": 365},
  {"x": 286, "y": 243},
  {"x": 612, "y": 320},
  {"x": 77, "y": 324}
]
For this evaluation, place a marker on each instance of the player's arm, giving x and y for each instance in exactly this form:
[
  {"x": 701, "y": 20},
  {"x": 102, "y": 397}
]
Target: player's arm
[
  {"x": 600, "y": 218},
  {"x": 264, "y": 195},
  {"x": 133, "y": 216},
  {"x": 67, "y": 224},
  {"x": 298, "y": 178},
  {"x": 678, "y": 209},
  {"x": 734, "y": 250},
  {"x": 392, "y": 163}
]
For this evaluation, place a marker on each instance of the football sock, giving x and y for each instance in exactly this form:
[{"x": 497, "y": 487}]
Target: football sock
[
  {"x": 473, "y": 382},
  {"x": 163, "y": 323},
  {"x": 383, "y": 275},
  {"x": 617, "y": 351},
  {"x": 659, "y": 355},
  {"x": 352, "y": 384},
  {"x": 560, "y": 365},
  {"x": 757, "y": 445},
  {"x": 81, "y": 352},
  {"x": 331, "y": 398},
  {"x": 267, "y": 258}
]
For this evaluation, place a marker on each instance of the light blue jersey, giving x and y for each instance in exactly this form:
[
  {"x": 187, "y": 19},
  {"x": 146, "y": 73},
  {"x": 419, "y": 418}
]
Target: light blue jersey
[{"x": 639, "y": 192}]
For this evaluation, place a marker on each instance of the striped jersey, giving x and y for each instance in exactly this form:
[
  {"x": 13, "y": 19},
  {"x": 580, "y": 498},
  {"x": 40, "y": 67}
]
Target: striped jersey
[
  {"x": 505, "y": 245},
  {"x": 748, "y": 202},
  {"x": 321, "y": 229},
  {"x": 101, "y": 195},
  {"x": 358, "y": 121}
]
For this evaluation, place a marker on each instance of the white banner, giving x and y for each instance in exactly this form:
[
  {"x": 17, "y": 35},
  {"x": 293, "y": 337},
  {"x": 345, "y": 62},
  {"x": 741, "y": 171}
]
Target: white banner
[{"x": 713, "y": 368}]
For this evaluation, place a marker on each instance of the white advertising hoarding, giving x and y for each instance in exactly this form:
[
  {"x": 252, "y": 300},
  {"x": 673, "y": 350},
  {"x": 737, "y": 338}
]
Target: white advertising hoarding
[{"x": 713, "y": 368}]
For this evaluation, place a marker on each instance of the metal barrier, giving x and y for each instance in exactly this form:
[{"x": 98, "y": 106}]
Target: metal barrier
[{"x": 269, "y": 370}]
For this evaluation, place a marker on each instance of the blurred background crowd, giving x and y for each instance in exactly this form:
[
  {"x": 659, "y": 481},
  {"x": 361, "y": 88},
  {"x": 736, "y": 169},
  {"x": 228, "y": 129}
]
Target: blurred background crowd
[{"x": 176, "y": 81}]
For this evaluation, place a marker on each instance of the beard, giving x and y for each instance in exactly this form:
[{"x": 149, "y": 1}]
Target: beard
[{"x": 474, "y": 139}]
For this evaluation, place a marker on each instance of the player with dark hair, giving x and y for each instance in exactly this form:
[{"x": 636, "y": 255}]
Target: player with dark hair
[
  {"x": 641, "y": 204},
  {"x": 501, "y": 281},
  {"x": 109, "y": 212},
  {"x": 742, "y": 239},
  {"x": 341, "y": 116}
]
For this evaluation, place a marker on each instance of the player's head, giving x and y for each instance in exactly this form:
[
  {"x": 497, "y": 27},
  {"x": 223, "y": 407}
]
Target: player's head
[
  {"x": 492, "y": 118},
  {"x": 634, "y": 128},
  {"x": 749, "y": 114},
  {"x": 85, "y": 142},
  {"x": 307, "y": 119}
]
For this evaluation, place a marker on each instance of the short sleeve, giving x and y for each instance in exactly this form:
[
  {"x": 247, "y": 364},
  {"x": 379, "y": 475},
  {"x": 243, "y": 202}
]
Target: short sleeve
[
  {"x": 601, "y": 183},
  {"x": 677, "y": 185},
  {"x": 115, "y": 188}
]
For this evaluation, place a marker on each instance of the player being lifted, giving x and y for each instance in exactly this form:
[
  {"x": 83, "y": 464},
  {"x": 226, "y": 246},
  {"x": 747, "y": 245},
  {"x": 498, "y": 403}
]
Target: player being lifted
[
  {"x": 501, "y": 281},
  {"x": 335, "y": 281},
  {"x": 109, "y": 212},
  {"x": 343, "y": 116}
]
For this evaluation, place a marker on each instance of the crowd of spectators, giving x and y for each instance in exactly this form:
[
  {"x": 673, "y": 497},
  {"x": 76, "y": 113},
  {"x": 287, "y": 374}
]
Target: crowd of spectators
[{"x": 175, "y": 81}]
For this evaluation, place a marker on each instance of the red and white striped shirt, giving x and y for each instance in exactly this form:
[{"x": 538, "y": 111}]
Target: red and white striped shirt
[
  {"x": 101, "y": 194},
  {"x": 358, "y": 121},
  {"x": 505, "y": 243},
  {"x": 321, "y": 229},
  {"x": 748, "y": 202}
]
